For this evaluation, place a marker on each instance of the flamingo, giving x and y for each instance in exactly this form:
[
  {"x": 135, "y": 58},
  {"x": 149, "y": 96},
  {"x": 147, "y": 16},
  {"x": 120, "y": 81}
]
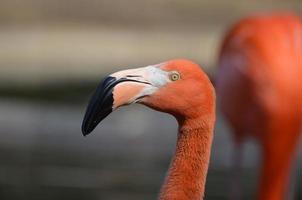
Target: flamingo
[
  {"x": 178, "y": 87},
  {"x": 260, "y": 93}
]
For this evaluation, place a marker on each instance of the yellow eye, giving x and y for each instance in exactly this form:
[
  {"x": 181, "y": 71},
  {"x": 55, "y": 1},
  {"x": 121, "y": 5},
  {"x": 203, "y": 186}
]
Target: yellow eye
[{"x": 174, "y": 76}]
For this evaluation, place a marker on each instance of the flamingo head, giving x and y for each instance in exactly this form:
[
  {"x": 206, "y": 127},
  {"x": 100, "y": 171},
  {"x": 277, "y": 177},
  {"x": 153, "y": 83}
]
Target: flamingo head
[{"x": 177, "y": 87}]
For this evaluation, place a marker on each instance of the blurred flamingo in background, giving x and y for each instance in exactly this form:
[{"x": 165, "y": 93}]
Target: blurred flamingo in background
[
  {"x": 177, "y": 87},
  {"x": 260, "y": 92}
]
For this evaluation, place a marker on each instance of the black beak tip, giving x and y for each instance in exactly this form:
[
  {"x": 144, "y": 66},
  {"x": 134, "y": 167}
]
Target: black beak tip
[
  {"x": 85, "y": 129},
  {"x": 100, "y": 105},
  {"x": 85, "y": 132}
]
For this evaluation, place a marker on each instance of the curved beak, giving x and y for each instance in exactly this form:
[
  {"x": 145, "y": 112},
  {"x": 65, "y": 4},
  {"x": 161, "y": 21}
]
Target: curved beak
[{"x": 118, "y": 89}]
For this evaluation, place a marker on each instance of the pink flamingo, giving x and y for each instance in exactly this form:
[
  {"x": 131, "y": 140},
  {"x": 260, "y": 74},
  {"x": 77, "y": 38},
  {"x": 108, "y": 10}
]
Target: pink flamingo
[
  {"x": 177, "y": 87},
  {"x": 260, "y": 94}
]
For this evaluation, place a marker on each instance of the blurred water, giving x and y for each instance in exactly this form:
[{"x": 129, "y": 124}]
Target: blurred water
[{"x": 44, "y": 155}]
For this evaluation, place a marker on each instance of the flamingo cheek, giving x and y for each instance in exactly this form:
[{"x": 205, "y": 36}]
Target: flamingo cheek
[{"x": 126, "y": 93}]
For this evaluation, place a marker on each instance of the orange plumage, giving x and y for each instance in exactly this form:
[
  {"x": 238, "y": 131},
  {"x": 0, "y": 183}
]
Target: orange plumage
[
  {"x": 180, "y": 88},
  {"x": 260, "y": 93}
]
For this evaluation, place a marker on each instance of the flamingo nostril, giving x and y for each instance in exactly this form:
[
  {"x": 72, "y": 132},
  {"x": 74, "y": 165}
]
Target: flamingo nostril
[{"x": 133, "y": 76}]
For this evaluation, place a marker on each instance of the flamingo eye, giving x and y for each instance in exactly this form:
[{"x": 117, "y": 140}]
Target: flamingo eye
[{"x": 174, "y": 76}]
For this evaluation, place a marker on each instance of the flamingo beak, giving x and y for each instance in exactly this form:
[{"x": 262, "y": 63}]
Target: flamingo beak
[{"x": 119, "y": 89}]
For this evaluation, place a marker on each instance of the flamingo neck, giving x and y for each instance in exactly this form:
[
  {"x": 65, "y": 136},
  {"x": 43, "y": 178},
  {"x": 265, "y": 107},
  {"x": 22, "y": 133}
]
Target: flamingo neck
[{"x": 188, "y": 170}]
